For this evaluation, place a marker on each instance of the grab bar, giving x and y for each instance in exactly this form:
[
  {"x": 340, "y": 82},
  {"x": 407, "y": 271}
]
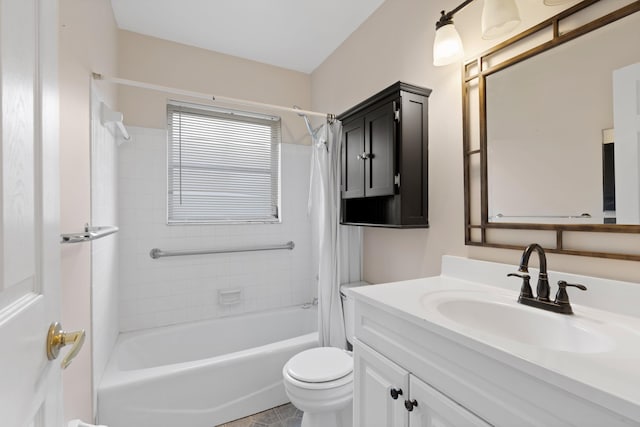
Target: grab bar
[
  {"x": 156, "y": 253},
  {"x": 89, "y": 233}
]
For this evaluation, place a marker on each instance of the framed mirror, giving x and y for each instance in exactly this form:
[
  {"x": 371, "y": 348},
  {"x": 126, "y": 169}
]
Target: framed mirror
[{"x": 551, "y": 123}]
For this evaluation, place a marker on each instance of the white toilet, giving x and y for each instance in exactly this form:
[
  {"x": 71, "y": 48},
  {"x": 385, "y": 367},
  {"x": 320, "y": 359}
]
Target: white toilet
[{"x": 319, "y": 381}]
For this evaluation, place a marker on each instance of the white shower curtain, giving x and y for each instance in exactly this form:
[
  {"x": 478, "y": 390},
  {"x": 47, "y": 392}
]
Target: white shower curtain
[{"x": 324, "y": 202}]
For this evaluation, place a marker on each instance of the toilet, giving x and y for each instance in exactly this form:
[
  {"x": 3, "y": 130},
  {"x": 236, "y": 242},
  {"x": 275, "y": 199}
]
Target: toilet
[{"x": 319, "y": 381}]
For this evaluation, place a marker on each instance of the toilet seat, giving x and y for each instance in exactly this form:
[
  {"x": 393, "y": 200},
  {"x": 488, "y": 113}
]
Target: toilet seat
[{"x": 320, "y": 365}]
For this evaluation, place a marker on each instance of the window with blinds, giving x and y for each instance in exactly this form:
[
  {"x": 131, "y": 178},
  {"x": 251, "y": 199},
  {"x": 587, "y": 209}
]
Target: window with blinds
[{"x": 223, "y": 165}]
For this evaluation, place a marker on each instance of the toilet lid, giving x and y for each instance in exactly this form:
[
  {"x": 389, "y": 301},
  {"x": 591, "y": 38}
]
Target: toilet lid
[{"x": 320, "y": 364}]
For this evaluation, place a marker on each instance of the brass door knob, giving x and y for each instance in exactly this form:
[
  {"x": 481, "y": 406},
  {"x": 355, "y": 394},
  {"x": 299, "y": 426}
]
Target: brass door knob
[{"x": 57, "y": 338}]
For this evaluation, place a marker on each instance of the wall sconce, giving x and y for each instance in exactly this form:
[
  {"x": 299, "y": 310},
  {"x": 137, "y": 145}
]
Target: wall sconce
[{"x": 499, "y": 17}]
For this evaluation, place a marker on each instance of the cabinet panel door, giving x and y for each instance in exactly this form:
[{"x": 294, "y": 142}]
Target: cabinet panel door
[
  {"x": 434, "y": 409},
  {"x": 352, "y": 162},
  {"x": 375, "y": 376},
  {"x": 414, "y": 159},
  {"x": 380, "y": 147}
]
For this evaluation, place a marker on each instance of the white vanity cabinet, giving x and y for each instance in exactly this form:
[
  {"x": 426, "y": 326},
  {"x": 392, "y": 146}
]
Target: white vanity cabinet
[
  {"x": 386, "y": 395},
  {"x": 434, "y": 409},
  {"x": 458, "y": 381},
  {"x": 375, "y": 378}
]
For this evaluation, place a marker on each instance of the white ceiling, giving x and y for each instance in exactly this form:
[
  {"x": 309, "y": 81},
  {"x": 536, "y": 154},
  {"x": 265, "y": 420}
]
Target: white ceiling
[{"x": 294, "y": 34}]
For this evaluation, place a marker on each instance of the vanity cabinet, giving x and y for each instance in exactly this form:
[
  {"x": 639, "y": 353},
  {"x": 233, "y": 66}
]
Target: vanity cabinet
[
  {"x": 434, "y": 409},
  {"x": 384, "y": 177},
  {"x": 380, "y": 389},
  {"x": 386, "y": 395},
  {"x": 456, "y": 381}
]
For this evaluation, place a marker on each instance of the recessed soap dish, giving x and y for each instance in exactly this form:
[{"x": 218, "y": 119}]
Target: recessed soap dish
[{"x": 229, "y": 296}]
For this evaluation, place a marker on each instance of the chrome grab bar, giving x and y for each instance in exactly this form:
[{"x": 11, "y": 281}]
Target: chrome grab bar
[
  {"x": 89, "y": 233},
  {"x": 156, "y": 253}
]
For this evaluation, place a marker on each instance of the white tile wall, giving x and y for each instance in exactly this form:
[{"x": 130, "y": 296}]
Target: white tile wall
[
  {"x": 173, "y": 290},
  {"x": 104, "y": 256}
]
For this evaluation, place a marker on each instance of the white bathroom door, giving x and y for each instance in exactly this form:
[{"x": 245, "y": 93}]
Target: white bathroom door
[
  {"x": 30, "y": 384},
  {"x": 626, "y": 122}
]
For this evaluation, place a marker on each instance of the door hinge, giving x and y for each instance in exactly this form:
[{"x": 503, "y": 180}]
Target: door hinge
[
  {"x": 396, "y": 112},
  {"x": 396, "y": 179}
]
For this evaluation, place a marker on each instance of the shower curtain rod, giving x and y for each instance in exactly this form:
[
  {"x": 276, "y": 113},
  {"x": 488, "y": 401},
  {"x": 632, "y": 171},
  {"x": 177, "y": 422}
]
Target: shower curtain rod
[{"x": 133, "y": 83}]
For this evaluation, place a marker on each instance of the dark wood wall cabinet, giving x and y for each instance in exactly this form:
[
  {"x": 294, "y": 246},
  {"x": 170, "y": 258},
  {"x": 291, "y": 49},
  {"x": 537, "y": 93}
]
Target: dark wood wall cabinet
[{"x": 385, "y": 159}]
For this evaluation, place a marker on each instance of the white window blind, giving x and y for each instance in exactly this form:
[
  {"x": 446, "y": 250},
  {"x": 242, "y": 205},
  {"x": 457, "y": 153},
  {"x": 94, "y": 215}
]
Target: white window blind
[{"x": 223, "y": 165}]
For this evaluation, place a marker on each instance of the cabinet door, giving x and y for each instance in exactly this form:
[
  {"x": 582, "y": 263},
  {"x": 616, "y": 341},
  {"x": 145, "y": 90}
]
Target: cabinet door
[
  {"x": 434, "y": 409},
  {"x": 352, "y": 161},
  {"x": 413, "y": 160},
  {"x": 375, "y": 377},
  {"x": 379, "y": 139}
]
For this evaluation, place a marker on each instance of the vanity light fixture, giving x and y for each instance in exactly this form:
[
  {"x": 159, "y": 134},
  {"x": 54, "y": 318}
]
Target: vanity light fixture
[
  {"x": 447, "y": 46},
  {"x": 499, "y": 17}
]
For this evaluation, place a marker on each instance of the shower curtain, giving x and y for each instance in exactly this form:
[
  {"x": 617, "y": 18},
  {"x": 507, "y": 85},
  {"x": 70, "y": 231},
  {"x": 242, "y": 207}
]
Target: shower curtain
[{"x": 338, "y": 246}]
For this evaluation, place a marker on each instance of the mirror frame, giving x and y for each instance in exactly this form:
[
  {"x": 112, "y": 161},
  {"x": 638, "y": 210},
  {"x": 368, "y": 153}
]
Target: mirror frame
[{"x": 474, "y": 74}]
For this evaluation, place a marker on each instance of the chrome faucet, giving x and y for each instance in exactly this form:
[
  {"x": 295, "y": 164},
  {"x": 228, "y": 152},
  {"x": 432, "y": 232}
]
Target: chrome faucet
[{"x": 561, "y": 303}]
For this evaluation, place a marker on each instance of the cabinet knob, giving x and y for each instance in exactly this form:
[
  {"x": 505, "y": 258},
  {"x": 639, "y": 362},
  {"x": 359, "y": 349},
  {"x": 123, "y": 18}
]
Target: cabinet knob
[
  {"x": 410, "y": 404},
  {"x": 395, "y": 392},
  {"x": 363, "y": 156}
]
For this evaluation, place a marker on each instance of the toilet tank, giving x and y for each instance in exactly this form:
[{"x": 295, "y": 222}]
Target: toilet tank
[{"x": 347, "y": 309}]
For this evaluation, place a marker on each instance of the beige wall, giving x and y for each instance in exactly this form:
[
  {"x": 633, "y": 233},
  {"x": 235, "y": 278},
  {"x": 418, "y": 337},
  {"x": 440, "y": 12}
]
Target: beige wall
[
  {"x": 157, "y": 61},
  {"x": 87, "y": 43},
  {"x": 395, "y": 43}
]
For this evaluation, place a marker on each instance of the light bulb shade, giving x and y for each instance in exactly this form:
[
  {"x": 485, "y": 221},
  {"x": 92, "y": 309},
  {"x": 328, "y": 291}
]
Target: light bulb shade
[
  {"x": 499, "y": 17},
  {"x": 447, "y": 46}
]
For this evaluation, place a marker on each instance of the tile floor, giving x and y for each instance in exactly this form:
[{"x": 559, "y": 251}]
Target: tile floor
[{"x": 280, "y": 416}]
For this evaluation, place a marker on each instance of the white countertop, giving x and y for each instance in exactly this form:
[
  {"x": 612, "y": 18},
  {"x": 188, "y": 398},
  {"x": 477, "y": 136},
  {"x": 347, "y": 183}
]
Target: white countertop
[{"x": 610, "y": 378}]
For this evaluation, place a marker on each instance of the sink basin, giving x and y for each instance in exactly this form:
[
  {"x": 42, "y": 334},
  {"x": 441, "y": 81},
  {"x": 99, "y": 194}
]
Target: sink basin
[{"x": 499, "y": 316}]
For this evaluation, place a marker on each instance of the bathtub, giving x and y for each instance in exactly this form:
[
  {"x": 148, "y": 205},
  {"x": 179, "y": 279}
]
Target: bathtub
[{"x": 203, "y": 374}]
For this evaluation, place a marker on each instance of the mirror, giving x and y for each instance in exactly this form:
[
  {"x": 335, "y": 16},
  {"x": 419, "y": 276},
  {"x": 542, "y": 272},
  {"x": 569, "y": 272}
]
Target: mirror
[
  {"x": 545, "y": 122},
  {"x": 540, "y": 155}
]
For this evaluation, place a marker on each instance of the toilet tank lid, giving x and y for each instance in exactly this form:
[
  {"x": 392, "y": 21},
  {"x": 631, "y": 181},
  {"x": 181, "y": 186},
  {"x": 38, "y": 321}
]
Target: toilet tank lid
[{"x": 322, "y": 364}]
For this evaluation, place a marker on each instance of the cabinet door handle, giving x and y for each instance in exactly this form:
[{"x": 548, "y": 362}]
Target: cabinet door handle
[
  {"x": 363, "y": 156},
  {"x": 410, "y": 404},
  {"x": 395, "y": 392}
]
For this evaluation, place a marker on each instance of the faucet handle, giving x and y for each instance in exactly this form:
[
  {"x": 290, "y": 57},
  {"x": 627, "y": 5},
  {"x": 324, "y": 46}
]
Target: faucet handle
[
  {"x": 525, "y": 290},
  {"x": 562, "y": 297}
]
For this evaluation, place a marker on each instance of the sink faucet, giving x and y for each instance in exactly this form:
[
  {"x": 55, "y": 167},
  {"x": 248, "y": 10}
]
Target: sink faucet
[
  {"x": 543, "y": 280},
  {"x": 561, "y": 303}
]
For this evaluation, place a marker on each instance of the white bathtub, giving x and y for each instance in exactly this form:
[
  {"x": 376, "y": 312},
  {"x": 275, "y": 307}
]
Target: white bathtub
[{"x": 203, "y": 374}]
